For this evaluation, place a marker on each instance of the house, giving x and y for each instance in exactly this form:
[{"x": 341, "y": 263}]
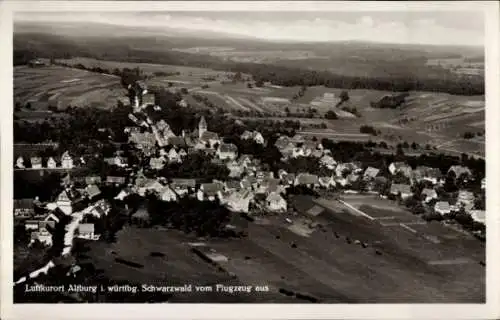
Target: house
[
  {"x": 317, "y": 154},
  {"x": 282, "y": 173},
  {"x": 328, "y": 162},
  {"x": 86, "y": 231},
  {"x": 402, "y": 167},
  {"x": 167, "y": 194},
  {"x": 403, "y": 190},
  {"x": 306, "y": 179},
  {"x": 283, "y": 142},
  {"x": 64, "y": 201},
  {"x": 232, "y": 185},
  {"x": 116, "y": 180},
  {"x": 289, "y": 179},
  {"x": 23, "y": 208},
  {"x": 327, "y": 182},
  {"x": 121, "y": 162},
  {"x": 253, "y": 135},
  {"x": 239, "y": 201},
  {"x": 442, "y": 207},
  {"x": 183, "y": 186},
  {"x": 44, "y": 237},
  {"x": 370, "y": 173},
  {"x": 123, "y": 194},
  {"x": 478, "y": 216},
  {"x": 423, "y": 173},
  {"x": 93, "y": 180},
  {"x": 146, "y": 185},
  {"x": 460, "y": 170},
  {"x": 177, "y": 142},
  {"x": 51, "y": 163},
  {"x": 20, "y": 163},
  {"x": 173, "y": 156},
  {"x": 342, "y": 181},
  {"x": 465, "y": 199},
  {"x": 157, "y": 163},
  {"x": 31, "y": 224},
  {"x": 92, "y": 191},
  {"x": 343, "y": 169},
  {"x": 483, "y": 183},
  {"x": 235, "y": 169},
  {"x": 268, "y": 185},
  {"x": 206, "y": 136},
  {"x": 182, "y": 103},
  {"x": 275, "y": 202},
  {"x": 227, "y": 151},
  {"x": 182, "y": 153},
  {"x": 298, "y": 152},
  {"x": 429, "y": 194},
  {"x": 209, "y": 191},
  {"x": 66, "y": 161},
  {"x": 351, "y": 178},
  {"x": 36, "y": 162}
]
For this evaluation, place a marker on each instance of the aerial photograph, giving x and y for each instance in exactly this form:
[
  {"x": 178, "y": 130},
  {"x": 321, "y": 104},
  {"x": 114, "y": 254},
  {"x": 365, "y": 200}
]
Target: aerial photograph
[{"x": 249, "y": 157}]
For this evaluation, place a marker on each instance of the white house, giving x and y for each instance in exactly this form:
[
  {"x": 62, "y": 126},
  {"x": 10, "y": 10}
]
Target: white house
[
  {"x": 327, "y": 182},
  {"x": 157, "y": 163},
  {"x": 253, "y": 135},
  {"x": 240, "y": 201},
  {"x": 466, "y": 199},
  {"x": 20, "y": 163},
  {"x": 328, "y": 162},
  {"x": 173, "y": 156},
  {"x": 275, "y": 202},
  {"x": 402, "y": 167},
  {"x": 227, "y": 151},
  {"x": 442, "y": 207},
  {"x": 86, "y": 231},
  {"x": 167, "y": 194},
  {"x": 36, "y": 162},
  {"x": 478, "y": 215},
  {"x": 66, "y": 161},
  {"x": 51, "y": 163},
  {"x": 429, "y": 194},
  {"x": 64, "y": 202},
  {"x": 401, "y": 189}
]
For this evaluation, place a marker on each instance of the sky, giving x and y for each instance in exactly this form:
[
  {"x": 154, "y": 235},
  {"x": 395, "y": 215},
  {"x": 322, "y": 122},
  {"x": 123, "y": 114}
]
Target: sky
[{"x": 405, "y": 27}]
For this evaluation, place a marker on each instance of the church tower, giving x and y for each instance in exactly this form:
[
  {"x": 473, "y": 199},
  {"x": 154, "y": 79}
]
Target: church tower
[{"x": 202, "y": 127}]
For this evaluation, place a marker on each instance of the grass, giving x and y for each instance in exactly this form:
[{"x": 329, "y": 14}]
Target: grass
[{"x": 48, "y": 84}]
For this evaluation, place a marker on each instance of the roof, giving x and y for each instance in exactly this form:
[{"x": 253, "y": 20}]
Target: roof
[
  {"x": 228, "y": 147},
  {"x": 115, "y": 179},
  {"x": 274, "y": 196},
  {"x": 211, "y": 188},
  {"x": 429, "y": 192},
  {"x": 184, "y": 182},
  {"x": 371, "y": 172},
  {"x": 141, "y": 213},
  {"x": 465, "y": 195},
  {"x": 233, "y": 184},
  {"x": 306, "y": 178},
  {"x": 36, "y": 160},
  {"x": 400, "y": 188},
  {"x": 66, "y": 156},
  {"x": 177, "y": 141},
  {"x": 92, "y": 179},
  {"x": 203, "y": 122},
  {"x": 209, "y": 135},
  {"x": 86, "y": 228},
  {"x": 92, "y": 190},
  {"x": 23, "y": 203},
  {"x": 442, "y": 205},
  {"x": 459, "y": 170}
]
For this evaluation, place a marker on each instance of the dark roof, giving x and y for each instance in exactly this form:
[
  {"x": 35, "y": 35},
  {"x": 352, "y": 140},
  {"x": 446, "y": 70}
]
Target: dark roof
[
  {"x": 184, "y": 183},
  {"x": 228, "y": 147},
  {"x": 177, "y": 141},
  {"x": 207, "y": 135}
]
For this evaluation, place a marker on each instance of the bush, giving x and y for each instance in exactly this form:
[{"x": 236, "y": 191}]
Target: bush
[{"x": 368, "y": 130}]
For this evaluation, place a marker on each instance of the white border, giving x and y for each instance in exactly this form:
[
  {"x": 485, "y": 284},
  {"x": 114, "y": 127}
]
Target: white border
[{"x": 490, "y": 310}]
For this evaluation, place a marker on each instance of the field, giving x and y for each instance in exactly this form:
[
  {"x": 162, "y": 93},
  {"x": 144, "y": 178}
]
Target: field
[
  {"x": 345, "y": 258},
  {"x": 425, "y": 118},
  {"x": 61, "y": 86}
]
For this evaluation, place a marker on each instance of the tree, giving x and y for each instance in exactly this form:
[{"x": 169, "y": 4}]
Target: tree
[
  {"x": 259, "y": 83},
  {"x": 184, "y": 91},
  {"x": 331, "y": 115},
  {"x": 344, "y": 96}
]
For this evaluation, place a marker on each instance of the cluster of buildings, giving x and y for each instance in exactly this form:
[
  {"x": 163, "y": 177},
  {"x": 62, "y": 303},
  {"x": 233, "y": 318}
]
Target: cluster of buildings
[
  {"x": 66, "y": 162},
  {"x": 249, "y": 186}
]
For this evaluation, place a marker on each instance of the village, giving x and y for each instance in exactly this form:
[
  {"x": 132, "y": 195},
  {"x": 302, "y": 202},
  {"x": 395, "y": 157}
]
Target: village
[{"x": 250, "y": 189}]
